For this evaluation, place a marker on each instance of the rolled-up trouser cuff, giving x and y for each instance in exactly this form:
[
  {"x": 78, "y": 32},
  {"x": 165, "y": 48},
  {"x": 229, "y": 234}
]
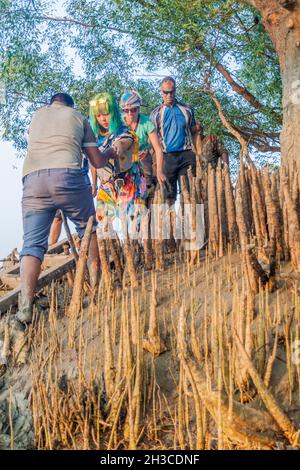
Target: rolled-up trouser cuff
[{"x": 32, "y": 251}]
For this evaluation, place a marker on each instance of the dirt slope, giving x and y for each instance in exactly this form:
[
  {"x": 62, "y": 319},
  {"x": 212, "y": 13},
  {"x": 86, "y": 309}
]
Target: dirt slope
[{"x": 87, "y": 382}]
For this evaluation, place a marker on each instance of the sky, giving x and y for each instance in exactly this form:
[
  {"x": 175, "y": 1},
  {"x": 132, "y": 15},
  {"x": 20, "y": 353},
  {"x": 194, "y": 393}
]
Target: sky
[{"x": 10, "y": 200}]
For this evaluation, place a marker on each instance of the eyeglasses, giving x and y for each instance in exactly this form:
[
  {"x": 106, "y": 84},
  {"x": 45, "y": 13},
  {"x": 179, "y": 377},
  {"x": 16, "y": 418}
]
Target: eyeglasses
[
  {"x": 130, "y": 110},
  {"x": 168, "y": 92}
]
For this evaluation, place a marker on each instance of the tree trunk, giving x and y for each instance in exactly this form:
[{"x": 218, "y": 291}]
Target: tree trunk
[
  {"x": 281, "y": 19},
  {"x": 290, "y": 135}
]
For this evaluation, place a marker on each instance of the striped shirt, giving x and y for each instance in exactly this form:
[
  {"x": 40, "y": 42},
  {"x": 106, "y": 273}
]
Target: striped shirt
[{"x": 173, "y": 125}]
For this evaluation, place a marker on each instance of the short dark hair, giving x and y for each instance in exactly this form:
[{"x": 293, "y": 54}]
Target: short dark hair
[
  {"x": 63, "y": 98},
  {"x": 168, "y": 79}
]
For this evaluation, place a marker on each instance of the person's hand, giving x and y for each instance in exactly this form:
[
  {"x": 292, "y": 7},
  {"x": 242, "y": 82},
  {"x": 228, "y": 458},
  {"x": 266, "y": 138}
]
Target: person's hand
[
  {"x": 94, "y": 190},
  {"x": 161, "y": 177},
  {"x": 212, "y": 138},
  {"x": 142, "y": 154},
  {"x": 112, "y": 152},
  {"x": 121, "y": 145},
  {"x": 198, "y": 127}
]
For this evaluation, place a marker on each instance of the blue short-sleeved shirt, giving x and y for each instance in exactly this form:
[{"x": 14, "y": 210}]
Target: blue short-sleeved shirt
[{"x": 173, "y": 125}]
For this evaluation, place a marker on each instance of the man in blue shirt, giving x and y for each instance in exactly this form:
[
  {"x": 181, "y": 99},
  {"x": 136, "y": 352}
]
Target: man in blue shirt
[{"x": 178, "y": 132}]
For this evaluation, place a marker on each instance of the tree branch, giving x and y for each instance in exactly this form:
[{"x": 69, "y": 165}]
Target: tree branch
[
  {"x": 269, "y": 135},
  {"x": 248, "y": 2},
  {"x": 26, "y": 98},
  {"x": 261, "y": 146},
  {"x": 228, "y": 125},
  {"x": 235, "y": 86},
  {"x": 81, "y": 23},
  {"x": 260, "y": 140},
  {"x": 266, "y": 148},
  {"x": 288, "y": 4},
  {"x": 243, "y": 138},
  {"x": 64, "y": 19},
  {"x": 243, "y": 91}
]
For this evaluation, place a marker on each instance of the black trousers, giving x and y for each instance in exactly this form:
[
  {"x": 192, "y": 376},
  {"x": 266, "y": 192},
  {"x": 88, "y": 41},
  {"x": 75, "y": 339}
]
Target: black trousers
[{"x": 176, "y": 164}]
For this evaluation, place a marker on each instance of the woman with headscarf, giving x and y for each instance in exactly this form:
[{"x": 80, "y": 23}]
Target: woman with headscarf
[
  {"x": 122, "y": 183},
  {"x": 130, "y": 104}
]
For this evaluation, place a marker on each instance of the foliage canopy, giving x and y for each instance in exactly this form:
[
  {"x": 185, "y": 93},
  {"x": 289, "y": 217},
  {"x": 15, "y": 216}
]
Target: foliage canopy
[{"x": 85, "y": 47}]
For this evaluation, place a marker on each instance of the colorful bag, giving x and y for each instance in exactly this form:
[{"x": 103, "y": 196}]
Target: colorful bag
[{"x": 123, "y": 189}]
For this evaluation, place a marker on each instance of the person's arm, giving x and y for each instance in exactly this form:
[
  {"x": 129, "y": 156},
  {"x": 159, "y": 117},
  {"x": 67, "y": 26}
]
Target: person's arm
[
  {"x": 222, "y": 151},
  {"x": 153, "y": 137},
  {"x": 89, "y": 147},
  {"x": 99, "y": 159},
  {"x": 94, "y": 180},
  {"x": 225, "y": 158},
  {"x": 196, "y": 132},
  {"x": 197, "y": 141}
]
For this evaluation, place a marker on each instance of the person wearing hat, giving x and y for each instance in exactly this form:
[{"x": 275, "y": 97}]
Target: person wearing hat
[
  {"x": 122, "y": 183},
  {"x": 178, "y": 133},
  {"x": 213, "y": 150},
  {"x": 130, "y": 105}
]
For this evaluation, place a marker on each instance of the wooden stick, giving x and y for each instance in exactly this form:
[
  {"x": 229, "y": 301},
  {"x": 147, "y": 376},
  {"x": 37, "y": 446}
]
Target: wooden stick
[
  {"x": 116, "y": 257},
  {"x": 221, "y": 209},
  {"x": 130, "y": 262},
  {"x": 81, "y": 265},
  {"x": 212, "y": 211},
  {"x": 158, "y": 243},
  {"x": 273, "y": 222},
  {"x": 69, "y": 236},
  {"x": 280, "y": 243},
  {"x": 230, "y": 207},
  {"x": 267, "y": 397},
  {"x": 258, "y": 214},
  {"x": 105, "y": 265}
]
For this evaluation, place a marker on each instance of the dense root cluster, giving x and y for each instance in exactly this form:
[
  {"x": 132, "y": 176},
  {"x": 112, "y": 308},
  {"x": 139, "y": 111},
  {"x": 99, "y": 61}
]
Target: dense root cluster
[{"x": 178, "y": 347}]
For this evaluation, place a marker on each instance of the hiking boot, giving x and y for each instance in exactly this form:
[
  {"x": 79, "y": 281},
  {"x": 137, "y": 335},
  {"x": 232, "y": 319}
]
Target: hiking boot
[
  {"x": 24, "y": 314},
  {"x": 16, "y": 325},
  {"x": 171, "y": 245}
]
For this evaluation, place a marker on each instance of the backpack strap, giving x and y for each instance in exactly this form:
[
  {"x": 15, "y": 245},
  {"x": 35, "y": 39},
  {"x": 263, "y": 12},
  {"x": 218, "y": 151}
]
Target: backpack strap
[
  {"x": 160, "y": 126},
  {"x": 187, "y": 117},
  {"x": 135, "y": 150}
]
